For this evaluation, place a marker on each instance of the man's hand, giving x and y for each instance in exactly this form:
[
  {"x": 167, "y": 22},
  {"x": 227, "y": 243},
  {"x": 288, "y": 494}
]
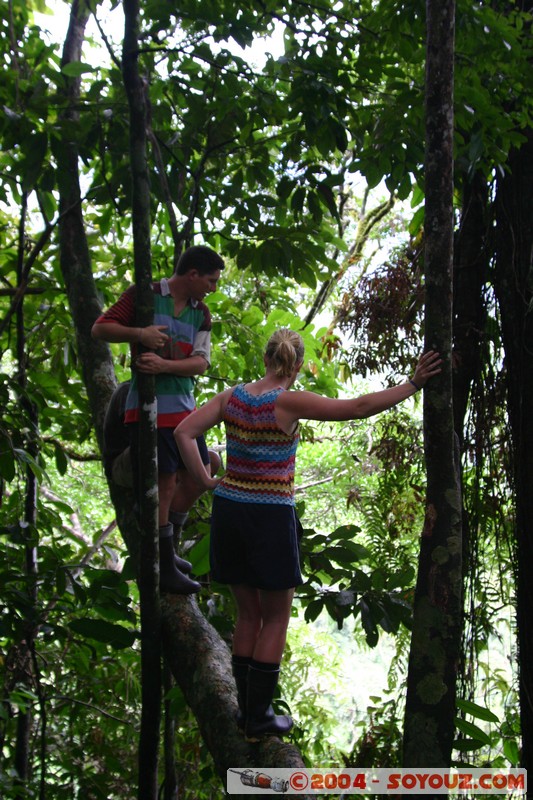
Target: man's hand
[
  {"x": 153, "y": 336},
  {"x": 151, "y": 363}
]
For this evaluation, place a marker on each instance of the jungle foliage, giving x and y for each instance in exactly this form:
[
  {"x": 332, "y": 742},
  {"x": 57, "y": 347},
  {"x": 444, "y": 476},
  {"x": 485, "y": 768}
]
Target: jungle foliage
[{"x": 278, "y": 165}]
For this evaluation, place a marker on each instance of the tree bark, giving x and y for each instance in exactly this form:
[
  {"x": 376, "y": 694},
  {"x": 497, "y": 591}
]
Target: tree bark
[
  {"x": 514, "y": 289},
  {"x": 75, "y": 259},
  {"x": 469, "y": 275},
  {"x": 25, "y": 718},
  {"x": 435, "y": 644},
  {"x": 470, "y": 270},
  {"x": 145, "y": 467}
]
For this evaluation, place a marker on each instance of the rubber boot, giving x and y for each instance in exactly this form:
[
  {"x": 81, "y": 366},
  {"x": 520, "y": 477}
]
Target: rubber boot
[
  {"x": 260, "y": 718},
  {"x": 239, "y": 667},
  {"x": 177, "y": 519},
  {"x": 182, "y": 565},
  {"x": 171, "y": 579}
]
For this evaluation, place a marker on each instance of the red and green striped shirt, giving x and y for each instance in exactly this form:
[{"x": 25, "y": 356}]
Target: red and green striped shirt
[{"x": 189, "y": 336}]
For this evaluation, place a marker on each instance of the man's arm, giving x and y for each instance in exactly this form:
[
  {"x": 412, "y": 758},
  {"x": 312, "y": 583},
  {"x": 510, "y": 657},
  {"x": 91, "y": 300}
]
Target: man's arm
[
  {"x": 187, "y": 367},
  {"x": 152, "y": 336},
  {"x": 117, "y": 324}
]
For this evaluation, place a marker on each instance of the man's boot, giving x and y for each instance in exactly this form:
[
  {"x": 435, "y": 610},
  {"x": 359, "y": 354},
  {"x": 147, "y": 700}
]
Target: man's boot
[
  {"x": 239, "y": 667},
  {"x": 178, "y": 518},
  {"x": 260, "y": 718},
  {"x": 171, "y": 579}
]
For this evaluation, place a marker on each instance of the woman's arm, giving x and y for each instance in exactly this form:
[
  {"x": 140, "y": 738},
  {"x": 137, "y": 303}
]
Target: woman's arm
[
  {"x": 195, "y": 425},
  {"x": 292, "y": 406}
]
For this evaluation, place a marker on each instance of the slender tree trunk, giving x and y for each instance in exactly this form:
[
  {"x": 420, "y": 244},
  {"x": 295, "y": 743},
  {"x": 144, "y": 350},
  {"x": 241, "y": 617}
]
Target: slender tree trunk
[
  {"x": 470, "y": 270},
  {"x": 145, "y": 469},
  {"x": 435, "y": 644},
  {"x": 514, "y": 289},
  {"x": 469, "y": 275},
  {"x": 367, "y": 222},
  {"x": 75, "y": 259},
  {"x": 29, "y": 532},
  {"x": 171, "y": 789}
]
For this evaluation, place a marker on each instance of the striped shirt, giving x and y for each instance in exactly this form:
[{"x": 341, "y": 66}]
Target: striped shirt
[
  {"x": 189, "y": 334},
  {"x": 260, "y": 456}
]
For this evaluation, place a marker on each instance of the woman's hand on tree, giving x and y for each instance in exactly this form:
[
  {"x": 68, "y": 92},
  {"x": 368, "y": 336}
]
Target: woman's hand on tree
[{"x": 428, "y": 366}]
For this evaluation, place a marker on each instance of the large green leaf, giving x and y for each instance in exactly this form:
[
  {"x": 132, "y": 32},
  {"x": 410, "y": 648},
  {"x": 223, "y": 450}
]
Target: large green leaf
[{"x": 102, "y": 631}]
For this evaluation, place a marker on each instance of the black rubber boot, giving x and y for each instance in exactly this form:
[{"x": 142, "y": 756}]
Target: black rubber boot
[
  {"x": 260, "y": 718},
  {"x": 177, "y": 520},
  {"x": 239, "y": 667},
  {"x": 182, "y": 565},
  {"x": 171, "y": 579}
]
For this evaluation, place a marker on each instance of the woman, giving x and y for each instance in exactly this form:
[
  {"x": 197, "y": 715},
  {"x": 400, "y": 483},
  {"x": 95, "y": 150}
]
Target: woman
[{"x": 254, "y": 544}]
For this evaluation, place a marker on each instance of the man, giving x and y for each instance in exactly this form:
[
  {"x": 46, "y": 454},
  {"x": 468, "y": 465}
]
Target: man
[{"x": 175, "y": 349}]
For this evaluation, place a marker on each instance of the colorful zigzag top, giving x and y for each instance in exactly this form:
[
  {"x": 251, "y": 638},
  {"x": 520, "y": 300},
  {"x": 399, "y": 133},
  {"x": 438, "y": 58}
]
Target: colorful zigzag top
[{"x": 260, "y": 456}]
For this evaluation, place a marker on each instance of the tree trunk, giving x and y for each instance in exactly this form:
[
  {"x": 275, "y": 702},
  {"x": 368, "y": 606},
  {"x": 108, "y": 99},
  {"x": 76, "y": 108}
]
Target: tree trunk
[
  {"x": 367, "y": 222},
  {"x": 29, "y": 531},
  {"x": 145, "y": 467},
  {"x": 514, "y": 289},
  {"x": 75, "y": 259},
  {"x": 435, "y": 644},
  {"x": 469, "y": 275},
  {"x": 470, "y": 270}
]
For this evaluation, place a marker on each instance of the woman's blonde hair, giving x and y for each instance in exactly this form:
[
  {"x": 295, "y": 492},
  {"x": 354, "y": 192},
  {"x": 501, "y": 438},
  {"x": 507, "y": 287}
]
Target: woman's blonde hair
[{"x": 284, "y": 350}]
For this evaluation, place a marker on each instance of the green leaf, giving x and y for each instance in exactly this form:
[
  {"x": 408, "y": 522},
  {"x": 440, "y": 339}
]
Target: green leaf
[
  {"x": 7, "y": 465},
  {"x": 35, "y": 151},
  {"x": 475, "y": 710},
  {"x": 342, "y": 555},
  {"x": 107, "y": 632},
  {"x": 32, "y": 463},
  {"x": 511, "y": 751},
  {"x": 199, "y": 556},
  {"x": 471, "y": 730},
  {"x": 297, "y": 199},
  {"x": 370, "y": 628},
  {"x": 313, "y": 610},
  {"x": 417, "y": 220},
  {"x": 467, "y": 745},
  {"x": 76, "y": 68},
  {"x": 361, "y": 582},
  {"x": 378, "y": 578},
  {"x": 61, "y": 459},
  {"x": 401, "y": 579},
  {"x": 176, "y": 698}
]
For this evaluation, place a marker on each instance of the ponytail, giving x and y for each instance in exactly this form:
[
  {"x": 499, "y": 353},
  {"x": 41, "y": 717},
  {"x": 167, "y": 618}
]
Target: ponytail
[{"x": 284, "y": 350}]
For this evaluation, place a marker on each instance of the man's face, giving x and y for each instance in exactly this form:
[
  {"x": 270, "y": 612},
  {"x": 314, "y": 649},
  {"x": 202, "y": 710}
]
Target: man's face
[{"x": 202, "y": 285}]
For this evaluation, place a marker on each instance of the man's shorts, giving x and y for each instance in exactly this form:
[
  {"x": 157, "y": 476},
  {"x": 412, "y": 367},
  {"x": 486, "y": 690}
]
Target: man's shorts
[
  {"x": 168, "y": 455},
  {"x": 169, "y": 459},
  {"x": 255, "y": 544}
]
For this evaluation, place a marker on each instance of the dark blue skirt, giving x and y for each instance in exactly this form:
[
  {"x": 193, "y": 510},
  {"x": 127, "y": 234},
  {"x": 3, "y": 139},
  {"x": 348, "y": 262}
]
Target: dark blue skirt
[{"x": 255, "y": 544}]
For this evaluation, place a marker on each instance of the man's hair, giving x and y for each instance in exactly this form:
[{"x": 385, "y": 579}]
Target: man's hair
[{"x": 200, "y": 258}]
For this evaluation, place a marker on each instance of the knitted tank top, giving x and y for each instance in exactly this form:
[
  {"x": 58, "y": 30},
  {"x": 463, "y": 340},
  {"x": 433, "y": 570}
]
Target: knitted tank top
[{"x": 260, "y": 456}]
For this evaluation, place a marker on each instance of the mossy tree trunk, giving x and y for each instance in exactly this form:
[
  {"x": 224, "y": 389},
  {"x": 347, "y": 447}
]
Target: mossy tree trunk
[
  {"x": 435, "y": 644},
  {"x": 145, "y": 468}
]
